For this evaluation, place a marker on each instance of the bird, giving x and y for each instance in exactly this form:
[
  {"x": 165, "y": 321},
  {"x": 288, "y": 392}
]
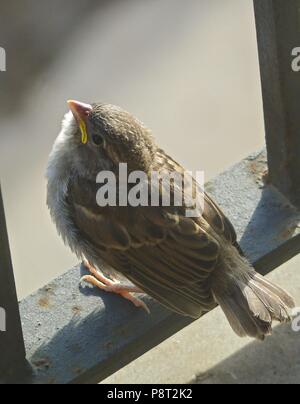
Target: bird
[{"x": 189, "y": 264}]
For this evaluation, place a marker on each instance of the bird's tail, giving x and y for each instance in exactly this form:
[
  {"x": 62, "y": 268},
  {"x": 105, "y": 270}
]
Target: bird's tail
[{"x": 250, "y": 302}]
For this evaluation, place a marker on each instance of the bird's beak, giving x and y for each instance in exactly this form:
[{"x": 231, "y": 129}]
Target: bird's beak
[{"x": 81, "y": 112}]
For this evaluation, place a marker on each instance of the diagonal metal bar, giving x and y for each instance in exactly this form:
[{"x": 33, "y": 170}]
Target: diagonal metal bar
[
  {"x": 12, "y": 349},
  {"x": 278, "y": 35},
  {"x": 78, "y": 336}
]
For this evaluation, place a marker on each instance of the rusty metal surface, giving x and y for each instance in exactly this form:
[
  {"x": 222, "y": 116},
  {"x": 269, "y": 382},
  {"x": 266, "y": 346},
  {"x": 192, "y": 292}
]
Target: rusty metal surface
[{"x": 77, "y": 335}]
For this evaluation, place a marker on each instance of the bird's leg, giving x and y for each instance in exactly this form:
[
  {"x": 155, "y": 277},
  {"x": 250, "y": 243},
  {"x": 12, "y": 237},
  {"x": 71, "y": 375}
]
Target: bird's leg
[{"x": 102, "y": 282}]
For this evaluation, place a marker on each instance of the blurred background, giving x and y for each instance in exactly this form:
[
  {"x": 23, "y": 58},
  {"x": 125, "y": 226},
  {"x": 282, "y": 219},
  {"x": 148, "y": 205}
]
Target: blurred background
[{"x": 188, "y": 69}]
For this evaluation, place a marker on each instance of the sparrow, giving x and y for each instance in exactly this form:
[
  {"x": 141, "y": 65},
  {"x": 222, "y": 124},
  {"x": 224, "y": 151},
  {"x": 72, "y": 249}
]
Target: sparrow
[{"x": 188, "y": 264}]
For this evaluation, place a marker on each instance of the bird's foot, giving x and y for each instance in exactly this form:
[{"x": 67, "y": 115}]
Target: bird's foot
[{"x": 102, "y": 282}]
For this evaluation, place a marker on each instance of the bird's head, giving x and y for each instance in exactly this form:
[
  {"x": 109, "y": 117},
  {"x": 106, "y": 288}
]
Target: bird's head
[{"x": 101, "y": 136}]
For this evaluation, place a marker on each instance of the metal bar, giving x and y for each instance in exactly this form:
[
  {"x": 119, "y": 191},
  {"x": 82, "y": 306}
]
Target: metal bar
[
  {"x": 78, "y": 335},
  {"x": 278, "y": 31},
  {"x": 12, "y": 349}
]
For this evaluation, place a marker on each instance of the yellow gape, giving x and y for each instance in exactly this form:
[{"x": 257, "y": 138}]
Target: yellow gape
[{"x": 84, "y": 135}]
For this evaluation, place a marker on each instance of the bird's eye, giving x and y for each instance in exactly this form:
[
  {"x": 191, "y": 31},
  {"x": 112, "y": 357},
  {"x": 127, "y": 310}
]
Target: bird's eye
[{"x": 97, "y": 140}]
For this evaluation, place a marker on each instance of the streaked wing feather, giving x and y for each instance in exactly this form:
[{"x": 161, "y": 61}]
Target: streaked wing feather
[{"x": 169, "y": 256}]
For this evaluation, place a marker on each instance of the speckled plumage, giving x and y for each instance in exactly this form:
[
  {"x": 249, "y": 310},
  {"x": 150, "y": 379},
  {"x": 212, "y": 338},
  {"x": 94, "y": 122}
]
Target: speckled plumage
[{"x": 187, "y": 264}]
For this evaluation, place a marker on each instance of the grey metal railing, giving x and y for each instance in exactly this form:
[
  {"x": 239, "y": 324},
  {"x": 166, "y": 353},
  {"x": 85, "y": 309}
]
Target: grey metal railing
[
  {"x": 278, "y": 32},
  {"x": 70, "y": 338},
  {"x": 12, "y": 348}
]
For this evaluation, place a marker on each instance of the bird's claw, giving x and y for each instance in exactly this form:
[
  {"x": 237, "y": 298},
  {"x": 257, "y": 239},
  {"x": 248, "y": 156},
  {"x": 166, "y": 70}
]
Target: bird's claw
[{"x": 108, "y": 285}]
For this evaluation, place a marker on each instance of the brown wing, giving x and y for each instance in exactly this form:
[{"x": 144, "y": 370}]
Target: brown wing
[
  {"x": 212, "y": 212},
  {"x": 169, "y": 256}
]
